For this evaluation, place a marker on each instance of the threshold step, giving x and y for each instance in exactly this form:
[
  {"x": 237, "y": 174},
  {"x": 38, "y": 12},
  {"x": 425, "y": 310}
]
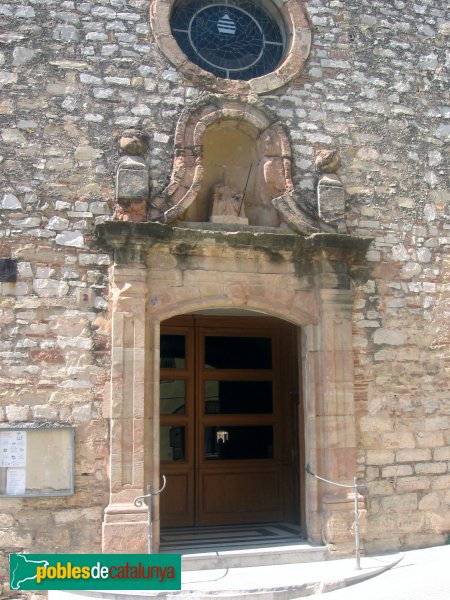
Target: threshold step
[{"x": 253, "y": 557}]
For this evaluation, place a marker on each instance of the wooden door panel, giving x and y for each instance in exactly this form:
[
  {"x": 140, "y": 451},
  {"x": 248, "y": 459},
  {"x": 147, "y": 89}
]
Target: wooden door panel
[
  {"x": 176, "y": 507},
  {"x": 238, "y": 497},
  {"x": 251, "y": 479},
  {"x": 177, "y": 426}
]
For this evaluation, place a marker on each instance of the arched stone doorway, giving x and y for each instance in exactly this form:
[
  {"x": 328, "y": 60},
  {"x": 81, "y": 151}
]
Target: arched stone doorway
[{"x": 162, "y": 271}]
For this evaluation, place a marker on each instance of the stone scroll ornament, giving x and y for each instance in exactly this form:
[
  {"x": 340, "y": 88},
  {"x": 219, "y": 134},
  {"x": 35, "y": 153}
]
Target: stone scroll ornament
[{"x": 132, "y": 177}]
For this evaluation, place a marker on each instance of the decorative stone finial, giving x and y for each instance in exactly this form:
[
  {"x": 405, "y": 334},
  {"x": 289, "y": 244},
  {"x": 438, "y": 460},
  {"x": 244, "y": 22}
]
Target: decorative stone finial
[
  {"x": 133, "y": 142},
  {"x": 328, "y": 161},
  {"x": 132, "y": 177}
]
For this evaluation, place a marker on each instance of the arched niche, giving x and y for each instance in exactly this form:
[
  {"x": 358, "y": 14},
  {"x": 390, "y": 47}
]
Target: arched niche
[
  {"x": 234, "y": 155},
  {"x": 230, "y": 141}
]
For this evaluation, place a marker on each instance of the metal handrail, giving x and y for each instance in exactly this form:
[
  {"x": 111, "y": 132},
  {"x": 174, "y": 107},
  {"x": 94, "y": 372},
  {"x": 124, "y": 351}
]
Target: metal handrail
[
  {"x": 140, "y": 501},
  {"x": 356, "y": 487}
]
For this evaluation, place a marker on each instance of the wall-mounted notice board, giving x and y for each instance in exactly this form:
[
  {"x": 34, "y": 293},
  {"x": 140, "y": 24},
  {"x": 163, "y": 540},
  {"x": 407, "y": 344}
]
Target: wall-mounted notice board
[{"x": 36, "y": 461}]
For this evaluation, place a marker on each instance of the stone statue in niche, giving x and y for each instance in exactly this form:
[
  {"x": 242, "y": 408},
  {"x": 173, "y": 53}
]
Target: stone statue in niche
[
  {"x": 226, "y": 201},
  {"x": 228, "y": 205}
]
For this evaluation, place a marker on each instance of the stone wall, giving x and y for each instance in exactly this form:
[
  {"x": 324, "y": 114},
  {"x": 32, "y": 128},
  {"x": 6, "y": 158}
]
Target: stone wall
[{"x": 72, "y": 77}]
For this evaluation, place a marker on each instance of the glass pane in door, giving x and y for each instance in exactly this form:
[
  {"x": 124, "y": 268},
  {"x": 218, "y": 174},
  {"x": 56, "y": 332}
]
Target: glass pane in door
[
  {"x": 238, "y": 442},
  {"x": 232, "y": 352},
  {"x": 173, "y": 351},
  {"x": 238, "y": 397},
  {"x": 172, "y": 394},
  {"x": 172, "y": 443}
]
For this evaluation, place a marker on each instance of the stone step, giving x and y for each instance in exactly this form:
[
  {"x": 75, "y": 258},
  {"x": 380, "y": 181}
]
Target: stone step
[
  {"x": 275, "y": 582},
  {"x": 253, "y": 557}
]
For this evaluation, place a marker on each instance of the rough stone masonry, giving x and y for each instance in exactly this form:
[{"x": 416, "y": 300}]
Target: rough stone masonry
[{"x": 73, "y": 77}]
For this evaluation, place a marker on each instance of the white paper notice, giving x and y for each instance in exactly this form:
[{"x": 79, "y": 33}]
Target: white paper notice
[
  {"x": 13, "y": 448},
  {"x": 15, "y": 482}
]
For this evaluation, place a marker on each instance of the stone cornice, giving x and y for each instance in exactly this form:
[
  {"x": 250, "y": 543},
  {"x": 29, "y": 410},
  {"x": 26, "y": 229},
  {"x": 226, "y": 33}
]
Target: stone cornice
[{"x": 130, "y": 242}]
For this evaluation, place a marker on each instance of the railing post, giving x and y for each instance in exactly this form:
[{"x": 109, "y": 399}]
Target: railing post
[
  {"x": 357, "y": 531},
  {"x": 139, "y": 501},
  {"x": 356, "y": 493}
]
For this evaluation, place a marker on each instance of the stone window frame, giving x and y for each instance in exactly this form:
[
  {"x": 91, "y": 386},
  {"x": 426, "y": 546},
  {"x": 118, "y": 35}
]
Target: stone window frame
[{"x": 298, "y": 45}]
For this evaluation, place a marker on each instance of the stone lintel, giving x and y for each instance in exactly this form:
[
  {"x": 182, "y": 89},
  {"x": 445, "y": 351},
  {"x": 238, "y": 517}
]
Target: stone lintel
[{"x": 130, "y": 242}]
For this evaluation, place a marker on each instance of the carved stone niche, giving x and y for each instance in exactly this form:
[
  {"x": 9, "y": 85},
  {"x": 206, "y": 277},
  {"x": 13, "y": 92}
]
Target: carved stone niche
[{"x": 232, "y": 151}]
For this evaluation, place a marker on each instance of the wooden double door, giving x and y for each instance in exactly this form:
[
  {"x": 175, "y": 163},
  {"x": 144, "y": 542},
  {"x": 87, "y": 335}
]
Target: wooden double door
[{"x": 228, "y": 421}]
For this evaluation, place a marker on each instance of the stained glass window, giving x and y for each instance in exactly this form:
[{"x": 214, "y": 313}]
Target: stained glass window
[{"x": 232, "y": 39}]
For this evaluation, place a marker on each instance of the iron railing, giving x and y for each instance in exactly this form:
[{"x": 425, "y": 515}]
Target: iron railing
[
  {"x": 357, "y": 488},
  {"x": 140, "y": 501}
]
